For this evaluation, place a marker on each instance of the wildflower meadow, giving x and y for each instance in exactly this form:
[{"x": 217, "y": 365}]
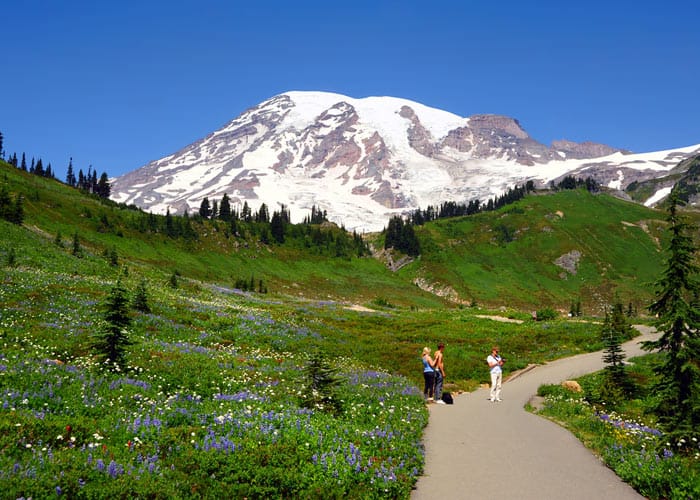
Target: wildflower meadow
[
  {"x": 209, "y": 405},
  {"x": 627, "y": 439}
]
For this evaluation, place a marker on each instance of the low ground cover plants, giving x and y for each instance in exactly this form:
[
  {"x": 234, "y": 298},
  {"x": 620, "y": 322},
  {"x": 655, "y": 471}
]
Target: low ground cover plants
[
  {"x": 212, "y": 402},
  {"x": 215, "y": 395},
  {"x": 626, "y": 435}
]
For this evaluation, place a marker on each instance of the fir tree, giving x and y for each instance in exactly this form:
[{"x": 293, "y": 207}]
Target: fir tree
[
  {"x": 204, "y": 208},
  {"x": 112, "y": 341},
  {"x": 322, "y": 381},
  {"x": 5, "y": 202},
  {"x": 140, "y": 302},
  {"x": 678, "y": 320},
  {"x": 614, "y": 331},
  {"x": 277, "y": 227},
  {"x": 103, "y": 189},
  {"x": 225, "y": 208},
  {"x": 70, "y": 176},
  {"x": 173, "y": 282},
  {"x": 17, "y": 211},
  {"x": 113, "y": 257},
  {"x": 77, "y": 250}
]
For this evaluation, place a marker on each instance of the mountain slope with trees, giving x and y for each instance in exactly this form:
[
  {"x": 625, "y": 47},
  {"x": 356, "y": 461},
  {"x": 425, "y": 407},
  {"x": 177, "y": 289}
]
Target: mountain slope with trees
[{"x": 549, "y": 249}]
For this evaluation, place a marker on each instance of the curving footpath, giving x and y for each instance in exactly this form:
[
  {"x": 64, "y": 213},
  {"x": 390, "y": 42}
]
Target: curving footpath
[{"x": 483, "y": 450}]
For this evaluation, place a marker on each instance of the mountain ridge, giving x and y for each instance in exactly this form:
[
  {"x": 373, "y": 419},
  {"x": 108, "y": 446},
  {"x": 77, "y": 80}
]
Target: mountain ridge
[{"x": 364, "y": 160}]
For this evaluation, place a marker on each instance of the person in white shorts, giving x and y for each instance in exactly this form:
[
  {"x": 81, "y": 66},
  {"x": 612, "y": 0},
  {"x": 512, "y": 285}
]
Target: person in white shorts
[{"x": 495, "y": 363}]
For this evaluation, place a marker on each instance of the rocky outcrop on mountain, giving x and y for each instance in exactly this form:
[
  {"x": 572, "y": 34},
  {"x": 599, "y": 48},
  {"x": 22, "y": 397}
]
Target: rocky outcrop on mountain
[{"x": 364, "y": 160}]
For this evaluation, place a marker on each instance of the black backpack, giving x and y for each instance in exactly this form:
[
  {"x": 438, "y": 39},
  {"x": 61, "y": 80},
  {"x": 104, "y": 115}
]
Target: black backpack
[{"x": 447, "y": 398}]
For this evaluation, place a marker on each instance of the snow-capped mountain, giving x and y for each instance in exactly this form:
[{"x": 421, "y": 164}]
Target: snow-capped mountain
[{"x": 364, "y": 160}]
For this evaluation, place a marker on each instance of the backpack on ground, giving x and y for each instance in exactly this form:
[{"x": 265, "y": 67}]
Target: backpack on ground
[{"x": 447, "y": 398}]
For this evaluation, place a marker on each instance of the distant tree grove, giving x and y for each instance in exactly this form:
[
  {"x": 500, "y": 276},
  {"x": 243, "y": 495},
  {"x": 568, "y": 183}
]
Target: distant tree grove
[{"x": 89, "y": 182}]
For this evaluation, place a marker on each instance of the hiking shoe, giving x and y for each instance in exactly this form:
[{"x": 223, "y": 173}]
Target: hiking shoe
[
  {"x": 498, "y": 400},
  {"x": 440, "y": 402}
]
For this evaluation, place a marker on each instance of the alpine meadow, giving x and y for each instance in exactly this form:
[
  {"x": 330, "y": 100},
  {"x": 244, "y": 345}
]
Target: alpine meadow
[{"x": 159, "y": 356}]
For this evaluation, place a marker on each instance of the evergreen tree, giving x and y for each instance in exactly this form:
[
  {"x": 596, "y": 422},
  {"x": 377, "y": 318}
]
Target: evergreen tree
[
  {"x": 23, "y": 166},
  {"x": 103, "y": 189},
  {"x": 678, "y": 319},
  {"x": 39, "y": 168},
  {"x": 263, "y": 214},
  {"x": 204, "y": 208},
  {"x": 277, "y": 227},
  {"x": 70, "y": 176},
  {"x": 112, "y": 341},
  {"x": 246, "y": 214},
  {"x": 5, "y": 202},
  {"x": 93, "y": 181},
  {"x": 140, "y": 302},
  {"x": 614, "y": 331},
  {"x": 113, "y": 257},
  {"x": 16, "y": 215},
  {"x": 409, "y": 241},
  {"x": 170, "y": 231},
  {"x": 2, "y": 152},
  {"x": 173, "y": 280},
  {"x": 321, "y": 387},
  {"x": 393, "y": 231},
  {"x": 225, "y": 209},
  {"x": 77, "y": 250}
]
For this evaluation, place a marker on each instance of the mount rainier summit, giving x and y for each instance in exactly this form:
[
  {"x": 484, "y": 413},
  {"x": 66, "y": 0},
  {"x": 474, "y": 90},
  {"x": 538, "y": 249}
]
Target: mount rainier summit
[{"x": 364, "y": 160}]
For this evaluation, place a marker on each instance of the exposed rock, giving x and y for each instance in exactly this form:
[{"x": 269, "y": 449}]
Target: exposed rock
[
  {"x": 368, "y": 159},
  {"x": 569, "y": 261},
  {"x": 572, "y": 386}
]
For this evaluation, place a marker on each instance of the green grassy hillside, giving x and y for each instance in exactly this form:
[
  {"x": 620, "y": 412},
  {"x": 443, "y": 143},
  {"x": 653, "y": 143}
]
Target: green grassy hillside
[
  {"x": 215, "y": 400},
  {"x": 503, "y": 258},
  {"x": 509, "y": 257}
]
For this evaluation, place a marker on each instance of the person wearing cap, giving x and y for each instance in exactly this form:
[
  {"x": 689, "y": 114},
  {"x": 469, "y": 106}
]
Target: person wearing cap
[
  {"x": 495, "y": 363},
  {"x": 439, "y": 373}
]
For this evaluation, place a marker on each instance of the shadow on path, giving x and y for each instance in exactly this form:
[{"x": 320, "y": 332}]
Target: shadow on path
[{"x": 478, "y": 449}]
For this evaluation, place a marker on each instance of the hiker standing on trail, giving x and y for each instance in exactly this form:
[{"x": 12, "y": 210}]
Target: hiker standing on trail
[
  {"x": 428, "y": 375},
  {"x": 439, "y": 373},
  {"x": 495, "y": 363}
]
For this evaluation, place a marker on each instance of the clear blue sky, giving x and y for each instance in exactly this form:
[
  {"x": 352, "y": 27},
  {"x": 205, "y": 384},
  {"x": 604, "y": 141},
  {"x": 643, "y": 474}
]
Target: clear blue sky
[{"x": 117, "y": 84}]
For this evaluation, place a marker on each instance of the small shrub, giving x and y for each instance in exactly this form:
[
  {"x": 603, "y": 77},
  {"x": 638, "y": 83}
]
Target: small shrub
[{"x": 546, "y": 314}]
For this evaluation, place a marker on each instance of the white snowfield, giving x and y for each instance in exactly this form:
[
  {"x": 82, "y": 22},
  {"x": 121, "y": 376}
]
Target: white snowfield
[{"x": 355, "y": 159}]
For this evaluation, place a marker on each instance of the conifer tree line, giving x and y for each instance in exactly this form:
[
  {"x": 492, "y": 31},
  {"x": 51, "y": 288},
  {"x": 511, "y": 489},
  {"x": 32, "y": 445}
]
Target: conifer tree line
[
  {"x": 277, "y": 228},
  {"x": 571, "y": 182},
  {"x": 453, "y": 209},
  {"x": 89, "y": 182}
]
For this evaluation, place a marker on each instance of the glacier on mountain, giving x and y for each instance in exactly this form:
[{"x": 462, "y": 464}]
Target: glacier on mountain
[{"x": 364, "y": 160}]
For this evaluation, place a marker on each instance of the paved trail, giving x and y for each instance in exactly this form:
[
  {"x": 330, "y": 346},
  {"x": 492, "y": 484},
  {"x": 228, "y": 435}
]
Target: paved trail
[{"x": 483, "y": 450}]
